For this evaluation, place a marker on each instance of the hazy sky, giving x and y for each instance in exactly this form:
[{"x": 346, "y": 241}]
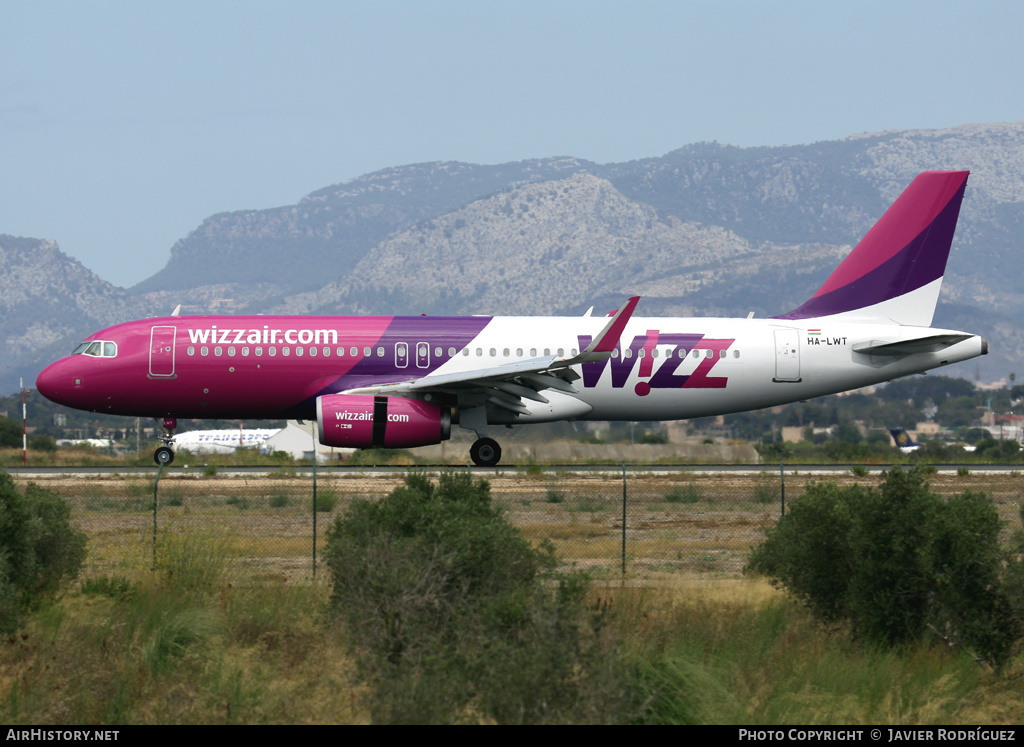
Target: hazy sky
[{"x": 124, "y": 124}]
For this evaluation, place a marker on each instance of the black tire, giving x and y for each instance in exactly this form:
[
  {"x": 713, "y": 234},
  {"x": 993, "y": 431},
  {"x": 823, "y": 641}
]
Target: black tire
[
  {"x": 485, "y": 452},
  {"x": 163, "y": 456}
]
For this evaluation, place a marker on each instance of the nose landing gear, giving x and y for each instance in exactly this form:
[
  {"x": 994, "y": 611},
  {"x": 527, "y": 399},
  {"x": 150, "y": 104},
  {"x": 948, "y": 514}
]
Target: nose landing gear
[{"x": 165, "y": 454}]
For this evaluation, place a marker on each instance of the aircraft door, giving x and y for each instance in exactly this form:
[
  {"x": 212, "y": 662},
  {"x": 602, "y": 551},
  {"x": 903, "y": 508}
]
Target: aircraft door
[
  {"x": 787, "y": 355},
  {"x": 422, "y": 355},
  {"x": 401, "y": 354},
  {"x": 161, "y": 351}
]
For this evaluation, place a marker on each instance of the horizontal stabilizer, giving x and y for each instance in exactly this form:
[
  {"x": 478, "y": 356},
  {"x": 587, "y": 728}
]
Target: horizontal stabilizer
[{"x": 931, "y": 344}]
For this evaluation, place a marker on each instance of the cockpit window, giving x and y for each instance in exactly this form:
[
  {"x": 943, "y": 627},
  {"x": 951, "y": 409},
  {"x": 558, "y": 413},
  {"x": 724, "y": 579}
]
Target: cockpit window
[{"x": 97, "y": 349}]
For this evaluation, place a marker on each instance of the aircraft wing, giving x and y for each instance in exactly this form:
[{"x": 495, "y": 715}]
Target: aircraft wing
[{"x": 507, "y": 385}]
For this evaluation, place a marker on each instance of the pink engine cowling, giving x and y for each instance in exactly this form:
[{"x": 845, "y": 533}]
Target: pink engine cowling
[{"x": 362, "y": 421}]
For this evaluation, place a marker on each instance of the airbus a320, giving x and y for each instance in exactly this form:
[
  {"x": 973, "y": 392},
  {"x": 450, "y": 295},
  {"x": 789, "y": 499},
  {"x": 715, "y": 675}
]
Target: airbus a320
[{"x": 401, "y": 382}]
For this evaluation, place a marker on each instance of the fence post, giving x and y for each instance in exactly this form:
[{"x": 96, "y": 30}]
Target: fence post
[
  {"x": 156, "y": 488},
  {"x": 623, "y": 518},
  {"x": 782, "y": 484},
  {"x": 314, "y": 503}
]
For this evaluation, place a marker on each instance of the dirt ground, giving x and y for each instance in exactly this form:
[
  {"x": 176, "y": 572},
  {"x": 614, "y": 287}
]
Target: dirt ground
[{"x": 686, "y": 521}]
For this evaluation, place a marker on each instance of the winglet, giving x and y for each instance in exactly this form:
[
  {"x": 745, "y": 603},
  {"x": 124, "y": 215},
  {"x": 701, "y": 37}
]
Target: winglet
[{"x": 602, "y": 346}]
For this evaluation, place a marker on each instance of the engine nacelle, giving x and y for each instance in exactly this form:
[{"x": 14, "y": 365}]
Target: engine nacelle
[{"x": 362, "y": 421}]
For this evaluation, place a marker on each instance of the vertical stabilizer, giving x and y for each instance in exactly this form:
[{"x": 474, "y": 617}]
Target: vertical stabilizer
[{"x": 895, "y": 273}]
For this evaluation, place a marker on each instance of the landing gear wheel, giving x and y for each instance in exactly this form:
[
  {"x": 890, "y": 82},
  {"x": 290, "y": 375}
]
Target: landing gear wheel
[
  {"x": 163, "y": 456},
  {"x": 485, "y": 452}
]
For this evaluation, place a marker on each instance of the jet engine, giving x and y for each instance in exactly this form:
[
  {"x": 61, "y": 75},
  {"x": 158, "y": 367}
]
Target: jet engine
[{"x": 361, "y": 421}]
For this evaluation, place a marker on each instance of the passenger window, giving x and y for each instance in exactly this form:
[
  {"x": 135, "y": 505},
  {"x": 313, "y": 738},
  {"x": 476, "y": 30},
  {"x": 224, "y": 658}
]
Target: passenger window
[
  {"x": 735, "y": 353},
  {"x": 561, "y": 351},
  {"x": 286, "y": 351},
  {"x": 722, "y": 353},
  {"x": 231, "y": 351},
  {"x": 272, "y": 351},
  {"x": 258, "y": 351},
  {"x": 380, "y": 352},
  {"x": 354, "y": 352},
  {"x": 218, "y": 351},
  {"x": 327, "y": 352},
  {"x": 367, "y": 352},
  {"x": 505, "y": 352},
  {"x": 451, "y": 352},
  {"x": 245, "y": 350},
  {"x": 204, "y": 350},
  {"x": 312, "y": 351},
  {"x": 298, "y": 350},
  {"x": 191, "y": 350},
  {"x": 696, "y": 353},
  {"x": 519, "y": 352}
]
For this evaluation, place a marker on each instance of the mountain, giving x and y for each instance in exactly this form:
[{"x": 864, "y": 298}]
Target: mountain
[
  {"x": 47, "y": 302},
  {"x": 708, "y": 229}
]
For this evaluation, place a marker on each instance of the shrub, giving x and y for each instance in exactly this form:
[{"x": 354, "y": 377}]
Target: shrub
[
  {"x": 326, "y": 500},
  {"x": 279, "y": 500},
  {"x": 453, "y": 616},
  {"x": 679, "y": 494},
  {"x": 896, "y": 563},
  {"x": 39, "y": 549}
]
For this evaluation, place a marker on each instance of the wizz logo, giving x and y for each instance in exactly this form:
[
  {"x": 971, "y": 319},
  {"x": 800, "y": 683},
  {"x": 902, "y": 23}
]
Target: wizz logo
[{"x": 666, "y": 375}]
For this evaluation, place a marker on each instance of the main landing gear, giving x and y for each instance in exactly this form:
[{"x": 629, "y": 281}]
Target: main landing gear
[
  {"x": 165, "y": 454},
  {"x": 485, "y": 452}
]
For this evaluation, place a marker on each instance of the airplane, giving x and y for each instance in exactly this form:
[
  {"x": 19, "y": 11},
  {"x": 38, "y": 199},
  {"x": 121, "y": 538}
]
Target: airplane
[
  {"x": 902, "y": 439},
  {"x": 402, "y": 382},
  {"x": 224, "y": 441}
]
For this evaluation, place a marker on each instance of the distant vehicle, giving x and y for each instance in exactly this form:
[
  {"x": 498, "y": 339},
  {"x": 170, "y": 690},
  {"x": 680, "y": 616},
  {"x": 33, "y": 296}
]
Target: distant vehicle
[
  {"x": 401, "y": 382},
  {"x": 903, "y": 440},
  {"x": 223, "y": 441}
]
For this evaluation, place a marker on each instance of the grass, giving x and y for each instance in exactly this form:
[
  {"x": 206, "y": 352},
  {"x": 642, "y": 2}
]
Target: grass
[
  {"x": 763, "y": 661},
  {"x": 132, "y": 650},
  {"x": 197, "y": 639}
]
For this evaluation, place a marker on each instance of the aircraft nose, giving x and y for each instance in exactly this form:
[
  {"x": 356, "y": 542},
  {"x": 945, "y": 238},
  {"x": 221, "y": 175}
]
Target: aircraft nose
[{"x": 56, "y": 383}]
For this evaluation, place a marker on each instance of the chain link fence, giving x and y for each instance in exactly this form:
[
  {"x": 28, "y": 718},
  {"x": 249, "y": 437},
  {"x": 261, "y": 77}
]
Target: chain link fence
[{"x": 616, "y": 520}]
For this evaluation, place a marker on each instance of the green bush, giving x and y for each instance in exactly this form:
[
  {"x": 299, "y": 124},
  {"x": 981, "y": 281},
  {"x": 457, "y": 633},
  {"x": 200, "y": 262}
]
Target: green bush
[
  {"x": 688, "y": 494},
  {"x": 455, "y": 617},
  {"x": 39, "y": 549},
  {"x": 326, "y": 500},
  {"x": 897, "y": 563}
]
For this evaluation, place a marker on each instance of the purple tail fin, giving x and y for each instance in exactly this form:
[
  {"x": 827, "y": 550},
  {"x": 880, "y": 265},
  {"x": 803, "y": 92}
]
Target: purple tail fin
[{"x": 895, "y": 272}]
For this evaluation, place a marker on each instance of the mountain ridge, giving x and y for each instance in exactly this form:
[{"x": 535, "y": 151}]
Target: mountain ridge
[{"x": 704, "y": 230}]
